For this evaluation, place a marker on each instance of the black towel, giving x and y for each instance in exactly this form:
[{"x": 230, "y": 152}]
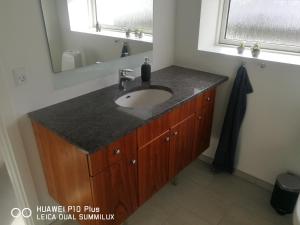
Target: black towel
[{"x": 225, "y": 154}]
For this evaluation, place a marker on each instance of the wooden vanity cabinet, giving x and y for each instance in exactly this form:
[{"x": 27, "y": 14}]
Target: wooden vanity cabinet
[{"x": 125, "y": 174}]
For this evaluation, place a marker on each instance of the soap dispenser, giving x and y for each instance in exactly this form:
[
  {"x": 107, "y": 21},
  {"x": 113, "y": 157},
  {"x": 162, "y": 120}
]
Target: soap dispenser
[
  {"x": 146, "y": 71},
  {"x": 125, "y": 51}
]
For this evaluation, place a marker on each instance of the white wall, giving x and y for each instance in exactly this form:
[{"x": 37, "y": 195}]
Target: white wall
[
  {"x": 1, "y": 159},
  {"x": 164, "y": 33},
  {"x": 23, "y": 43},
  {"x": 269, "y": 140}
]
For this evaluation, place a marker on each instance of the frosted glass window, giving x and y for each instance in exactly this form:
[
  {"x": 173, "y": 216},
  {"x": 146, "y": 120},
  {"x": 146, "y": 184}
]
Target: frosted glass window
[
  {"x": 266, "y": 21},
  {"x": 129, "y": 14},
  {"x": 78, "y": 14}
]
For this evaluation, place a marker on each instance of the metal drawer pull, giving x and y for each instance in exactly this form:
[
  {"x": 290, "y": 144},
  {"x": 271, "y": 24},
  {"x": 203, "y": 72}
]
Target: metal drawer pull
[
  {"x": 117, "y": 151},
  {"x": 208, "y": 99},
  {"x": 175, "y": 133},
  {"x": 167, "y": 139},
  {"x": 200, "y": 117},
  {"x": 133, "y": 162}
]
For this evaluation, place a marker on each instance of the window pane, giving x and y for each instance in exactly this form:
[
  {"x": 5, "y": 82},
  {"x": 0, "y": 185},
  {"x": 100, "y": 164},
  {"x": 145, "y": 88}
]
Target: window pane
[
  {"x": 133, "y": 14},
  {"x": 78, "y": 14},
  {"x": 270, "y": 21}
]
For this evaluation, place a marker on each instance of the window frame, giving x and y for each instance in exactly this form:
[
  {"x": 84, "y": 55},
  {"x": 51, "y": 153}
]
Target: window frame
[
  {"x": 109, "y": 27},
  {"x": 223, "y": 41}
]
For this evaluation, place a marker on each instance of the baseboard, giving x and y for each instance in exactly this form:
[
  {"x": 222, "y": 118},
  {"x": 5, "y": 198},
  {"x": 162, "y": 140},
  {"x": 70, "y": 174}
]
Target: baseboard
[
  {"x": 243, "y": 175},
  {"x": 206, "y": 159}
]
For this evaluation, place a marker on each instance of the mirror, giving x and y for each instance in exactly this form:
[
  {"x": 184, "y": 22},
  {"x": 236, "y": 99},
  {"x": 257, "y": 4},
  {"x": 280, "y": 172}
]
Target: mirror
[{"x": 87, "y": 32}]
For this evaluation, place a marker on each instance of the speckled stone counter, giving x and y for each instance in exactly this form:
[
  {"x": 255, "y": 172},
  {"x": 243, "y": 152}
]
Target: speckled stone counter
[{"x": 93, "y": 121}]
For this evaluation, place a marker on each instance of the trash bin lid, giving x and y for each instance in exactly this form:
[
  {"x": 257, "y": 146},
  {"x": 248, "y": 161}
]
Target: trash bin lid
[{"x": 289, "y": 182}]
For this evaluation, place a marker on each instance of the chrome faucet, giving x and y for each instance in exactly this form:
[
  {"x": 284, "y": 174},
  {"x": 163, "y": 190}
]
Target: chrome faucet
[{"x": 124, "y": 77}]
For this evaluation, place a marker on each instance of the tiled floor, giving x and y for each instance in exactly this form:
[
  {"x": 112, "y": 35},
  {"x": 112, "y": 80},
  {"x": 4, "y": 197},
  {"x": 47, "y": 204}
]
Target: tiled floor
[{"x": 204, "y": 198}]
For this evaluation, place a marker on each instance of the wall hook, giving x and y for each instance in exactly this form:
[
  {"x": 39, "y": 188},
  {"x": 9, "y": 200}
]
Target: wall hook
[{"x": 262, "y": 65}]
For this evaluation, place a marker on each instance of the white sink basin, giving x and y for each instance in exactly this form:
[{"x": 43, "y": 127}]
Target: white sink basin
[{"x": 144, "y": 98}]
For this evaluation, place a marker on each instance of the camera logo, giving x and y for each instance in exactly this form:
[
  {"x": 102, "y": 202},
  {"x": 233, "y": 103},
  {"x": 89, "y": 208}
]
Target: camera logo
[{"x": 17, "y": 212}]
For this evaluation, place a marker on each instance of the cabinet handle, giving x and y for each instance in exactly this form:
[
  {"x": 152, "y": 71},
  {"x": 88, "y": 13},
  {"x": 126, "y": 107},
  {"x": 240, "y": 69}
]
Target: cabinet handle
[
  {"x": 117, "y": 151},
  {"x": 208, "y": 99},
  {"x": 175, "y": 133},
  {"x": 133, "y": 162},
  {"x": 199, "y": 117},
  {"x": 167, "y": 139}
]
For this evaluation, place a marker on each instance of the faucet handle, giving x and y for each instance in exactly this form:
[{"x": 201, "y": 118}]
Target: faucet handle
[{"x": 125, "y": 71}]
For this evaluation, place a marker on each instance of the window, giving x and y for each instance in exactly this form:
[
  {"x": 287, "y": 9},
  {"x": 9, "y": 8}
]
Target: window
[
  {"x": 275, "y": 24},
  {"x": 129, "y": 14},
  {"x": 116, "y": 15},
  {"x": 79, "y": 15}
]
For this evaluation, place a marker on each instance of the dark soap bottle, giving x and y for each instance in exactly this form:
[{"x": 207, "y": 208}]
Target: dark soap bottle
[
  {"x": 125, "y": 51},
  {"x": 146, "y": 71}
]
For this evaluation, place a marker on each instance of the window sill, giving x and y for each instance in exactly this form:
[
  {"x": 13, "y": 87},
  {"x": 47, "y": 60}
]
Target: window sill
[
  {"x": 265, "y": 54},
  {"x": 107, "y": 33}
]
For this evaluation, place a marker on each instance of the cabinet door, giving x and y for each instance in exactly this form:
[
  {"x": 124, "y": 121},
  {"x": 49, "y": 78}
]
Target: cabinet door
[
  {"x": 114, "y": 188},
  {"x": 111, "y": 192},
  {"x": 203, "y": 127},
  {"x": 182, "y": 139},
  {"x": 199, "y": 135},
  {"x": 207, "y": 125},
  {"x": 153, "y": 166}
]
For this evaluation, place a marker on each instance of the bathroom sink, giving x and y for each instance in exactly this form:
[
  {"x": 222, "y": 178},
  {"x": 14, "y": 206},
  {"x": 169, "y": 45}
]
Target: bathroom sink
[{"x": 144, "y": 98}]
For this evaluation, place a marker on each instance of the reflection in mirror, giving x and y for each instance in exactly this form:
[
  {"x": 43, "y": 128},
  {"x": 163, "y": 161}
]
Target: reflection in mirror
[{"x": 86, "y": 32}]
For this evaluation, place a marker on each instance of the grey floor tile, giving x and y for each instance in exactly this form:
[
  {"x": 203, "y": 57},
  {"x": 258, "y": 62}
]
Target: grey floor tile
[
  {"x": 240, "y": 215},
  {"x": 148, "y": 214},
  {"x": 185, "y": 217},
  {"x": 198, "y": 172},
  {"x": 204, "y": 203}
]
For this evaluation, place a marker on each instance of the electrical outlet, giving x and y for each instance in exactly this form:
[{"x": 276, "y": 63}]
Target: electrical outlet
[{"x": 19, "y": 75}]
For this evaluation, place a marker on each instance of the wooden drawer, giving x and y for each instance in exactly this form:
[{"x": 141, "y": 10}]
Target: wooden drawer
[
  {"x": 182, "y": 112},
  {"x": 205, "y": 99},
  {"x": 152, "y": 130},
  {"x": 123, "y": 149},
  {"x": 116, "y": 151},
  {"x": 209, "y": 97}
]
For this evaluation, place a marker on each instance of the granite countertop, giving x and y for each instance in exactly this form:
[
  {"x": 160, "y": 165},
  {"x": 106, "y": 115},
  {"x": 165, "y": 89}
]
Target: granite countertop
[{"x": 93, "y": 121}]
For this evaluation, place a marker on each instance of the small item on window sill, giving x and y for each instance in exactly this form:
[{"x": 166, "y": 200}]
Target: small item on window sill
[
  {"x": 241, "y": 47},
  {"x": 255, "y": 50},
  {"x": 141, "y": 34},
  {"x": 136, "y": 33},
  {"x": 98, "y": 27},
  {"x": 127, "y": 32}
]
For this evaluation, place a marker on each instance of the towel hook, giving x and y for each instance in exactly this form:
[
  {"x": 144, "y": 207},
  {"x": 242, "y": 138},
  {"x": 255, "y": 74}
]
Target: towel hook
[{"x": 262, "y": 65}]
